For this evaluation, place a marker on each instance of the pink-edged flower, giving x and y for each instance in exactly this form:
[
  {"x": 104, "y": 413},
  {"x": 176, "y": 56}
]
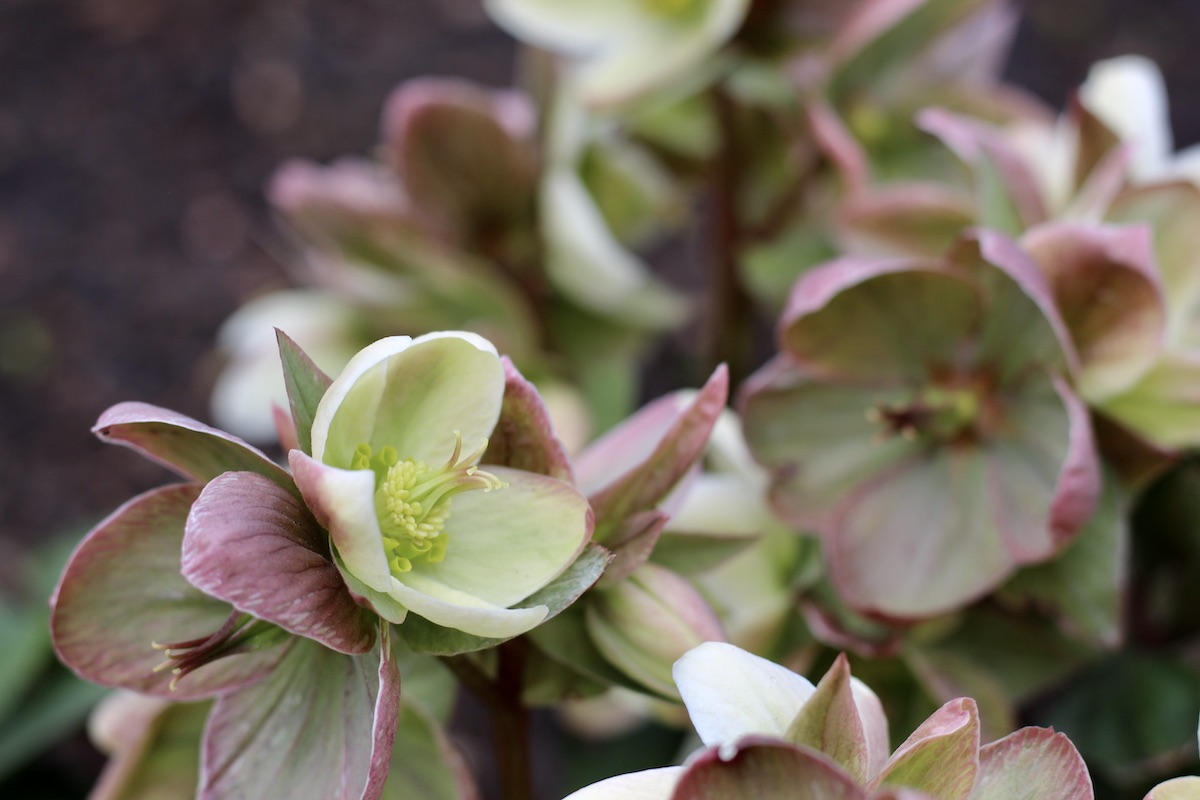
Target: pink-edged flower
[
  {"x": 920, "y": 420},
  {"x": 417, "y": 525},
  {"x": 768, "y": 731},
  {"x": 224, "y": 587}
]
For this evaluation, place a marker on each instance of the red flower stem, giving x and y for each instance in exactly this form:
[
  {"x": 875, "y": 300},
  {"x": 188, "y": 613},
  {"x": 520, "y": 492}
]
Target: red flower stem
[
  {"x": 729, "y": 306},
  {"x": 510, "y": 724}
]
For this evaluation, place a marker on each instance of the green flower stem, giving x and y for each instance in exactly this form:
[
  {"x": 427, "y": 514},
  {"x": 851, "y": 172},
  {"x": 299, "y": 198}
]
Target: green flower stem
[
  {"x": 729, "y": 305},
  {"x": 510, "y": 719}
]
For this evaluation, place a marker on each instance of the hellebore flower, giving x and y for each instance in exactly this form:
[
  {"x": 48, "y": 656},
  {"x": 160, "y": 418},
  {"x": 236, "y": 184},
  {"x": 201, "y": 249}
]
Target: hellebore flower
[
  {"x": 769, "y": 731},
  {"x": 224, "y": 587},
  {"x": 416, "y": 524},
  {"x": 919, "y": 419},
  {"x": 624, "y": 49}
]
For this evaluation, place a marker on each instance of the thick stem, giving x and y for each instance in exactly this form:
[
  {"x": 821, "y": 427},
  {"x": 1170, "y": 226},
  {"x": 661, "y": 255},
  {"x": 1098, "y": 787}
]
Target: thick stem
[
  {"x": 729, "y": 307},
  {"x": 510, "y": 723}
]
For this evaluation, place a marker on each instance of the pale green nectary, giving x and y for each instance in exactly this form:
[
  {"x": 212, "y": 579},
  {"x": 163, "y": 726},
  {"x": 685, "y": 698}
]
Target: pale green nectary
[{"x": 415, "y": 523}]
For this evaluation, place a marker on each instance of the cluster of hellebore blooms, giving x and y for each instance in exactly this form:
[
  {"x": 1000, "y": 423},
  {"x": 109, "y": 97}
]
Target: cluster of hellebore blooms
[
  {"x": 985, "y": 347},
  {"x": 272, "y": 592}
]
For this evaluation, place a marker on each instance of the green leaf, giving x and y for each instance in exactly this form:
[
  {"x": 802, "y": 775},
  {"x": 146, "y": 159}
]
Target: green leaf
[
  {"x": 1127, "y": 711},
  {"x": 425, "y": 764},
  {"x": 158, "y": 760},
  {"x": 425, "y": 637},
  {"x": 306, "y": 385},
  {"x": 1085, "y": 583},
  {"x": 49, "y": 710}
]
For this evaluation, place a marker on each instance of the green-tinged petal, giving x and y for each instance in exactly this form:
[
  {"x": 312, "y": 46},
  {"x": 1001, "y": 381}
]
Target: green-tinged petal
[
  {"x": 817, "y": 438},
  {"x": 122, "y": 591},
  {"x": 1177, "y": 789},
  {"x": 252, "y": 544},
  {"x": 524, "y": 437},
  {"x": 1170, "y": 209},
  {"x": 760, "y": 768},
  {"x": 343, "y": 501},
  {"x": 411, "y": 394},
  {"x": 451, "y": 608},
  {"x": 425, "y": 763},
  {"x": 578, "y": 28},
  {"x": 436, "y": 127},
  {"x": 657, "y": 53},
  {"x": 645, "y": 623},
  {"x": 1032, "y": 764},
  {"x": 673, "y": 453},
  {"x": 941, "y": 757},
  {"x": 589, "y": 266},
  {"x": 426, "y": 637},
  {"x": 305, "y": 384},
  {"x": 1128, "y": 94},
  {"x": 1107, "y": 289},
  {"x": 1164, "y": 406},
  {"x": 916, "y": 219},
  {"x": 506, "y": 543},
  {"x": 844, "y": 720},
  {"x": 651, "y": 784},
  {"x": 156, "y": 751},
  {"x": 190, "y": 448},
  {"x": 730, "y": 693},
  {"x": 1022, "y": 326},
  {"x": 918, "y": 539},
  {"x": 878, "y": 319},
  {"x": 321, "y": 725}
]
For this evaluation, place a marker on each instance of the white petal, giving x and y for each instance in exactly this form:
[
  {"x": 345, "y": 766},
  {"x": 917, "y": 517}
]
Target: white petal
[
  {"x": 1128, "y": 94},
  {"x": 651, "y": 784},
  {"x": 730, "y": 693},
  {"x": 451, "y": 608}
]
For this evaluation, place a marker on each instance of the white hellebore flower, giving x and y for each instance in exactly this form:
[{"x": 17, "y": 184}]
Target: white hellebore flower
[
  {"x": 416, "y": 525},
  {"x": 624, "y": 49}
]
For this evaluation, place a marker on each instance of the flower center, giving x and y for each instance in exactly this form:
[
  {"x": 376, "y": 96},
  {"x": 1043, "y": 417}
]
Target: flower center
[
  {"x": 412, "y": 500},
  {"x": 937, "y": 415}
]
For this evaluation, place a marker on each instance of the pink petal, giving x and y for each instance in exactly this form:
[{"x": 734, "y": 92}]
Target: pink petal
[{"x": 256, "y": 546}]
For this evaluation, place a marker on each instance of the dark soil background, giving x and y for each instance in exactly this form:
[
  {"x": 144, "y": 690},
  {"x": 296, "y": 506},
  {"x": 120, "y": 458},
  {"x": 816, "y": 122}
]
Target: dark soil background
[{"x": 135, "y": 138}]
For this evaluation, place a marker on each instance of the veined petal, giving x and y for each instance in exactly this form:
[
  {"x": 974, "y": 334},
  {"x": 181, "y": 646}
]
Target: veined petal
[
  {"x": 451, "y": 608},
  {"x": 252, "y": 544},
  {"x": 919, "y": 538},
  {"x": 505, "y": 544},
  {"x": 730, "y": 693},
  {"x": 817, "y": 437},
  {"x": 190, "y": 448},
  {"x": 411, "y": 394},
  {"x": 1032, "y": 764},
  {"x": 650, "y": 784},
  {"x": 122, "y": 590},
  {"x": 343, "y": 501},
  {"x": 321, "y": 725},
  {"x": 762, "y": 768}
]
